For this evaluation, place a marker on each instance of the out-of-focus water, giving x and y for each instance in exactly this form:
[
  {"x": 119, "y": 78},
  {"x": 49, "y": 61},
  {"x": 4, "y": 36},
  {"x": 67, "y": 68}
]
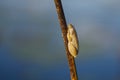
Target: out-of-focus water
[{"x": 31, "y": 45}]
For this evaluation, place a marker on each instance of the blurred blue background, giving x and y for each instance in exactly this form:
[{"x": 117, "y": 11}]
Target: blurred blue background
[{"x": 31, "y": 45}]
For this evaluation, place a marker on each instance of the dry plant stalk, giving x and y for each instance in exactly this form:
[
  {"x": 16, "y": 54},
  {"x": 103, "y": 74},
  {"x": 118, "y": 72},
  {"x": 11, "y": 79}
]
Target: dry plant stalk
[{"x": 63, "y": 25}]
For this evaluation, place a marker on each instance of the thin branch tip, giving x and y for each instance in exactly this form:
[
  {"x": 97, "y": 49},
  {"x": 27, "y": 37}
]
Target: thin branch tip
[{"x": 63, "y": 25}]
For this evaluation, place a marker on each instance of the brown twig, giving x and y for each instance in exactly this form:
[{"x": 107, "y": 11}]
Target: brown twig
[{"x": 63, "y": 25}]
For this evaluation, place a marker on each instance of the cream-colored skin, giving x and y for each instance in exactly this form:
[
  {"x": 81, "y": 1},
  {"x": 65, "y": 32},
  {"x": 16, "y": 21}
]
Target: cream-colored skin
[{"x": 73, "y": 44}]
